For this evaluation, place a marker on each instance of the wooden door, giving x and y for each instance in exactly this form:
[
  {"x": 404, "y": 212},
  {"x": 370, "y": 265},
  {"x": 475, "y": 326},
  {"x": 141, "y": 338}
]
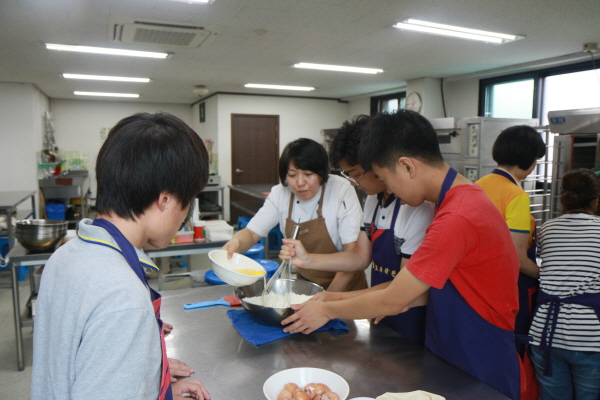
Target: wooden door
[{"x": 254, "y": 158}]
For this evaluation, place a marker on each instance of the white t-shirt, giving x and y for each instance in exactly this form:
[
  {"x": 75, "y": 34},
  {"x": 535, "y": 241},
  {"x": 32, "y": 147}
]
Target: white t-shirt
[
  {"x": 341, "y": 210},
  {"x": 411, "y": 223}
]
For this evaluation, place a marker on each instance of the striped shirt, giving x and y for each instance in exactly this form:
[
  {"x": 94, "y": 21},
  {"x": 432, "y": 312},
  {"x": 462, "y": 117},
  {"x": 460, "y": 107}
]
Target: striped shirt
[{"x": 570, "y": 251}]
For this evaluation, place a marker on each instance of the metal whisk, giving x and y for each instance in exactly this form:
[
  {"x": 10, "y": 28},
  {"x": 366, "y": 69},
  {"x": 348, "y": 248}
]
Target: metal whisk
[{"x": 278, "y": 291}]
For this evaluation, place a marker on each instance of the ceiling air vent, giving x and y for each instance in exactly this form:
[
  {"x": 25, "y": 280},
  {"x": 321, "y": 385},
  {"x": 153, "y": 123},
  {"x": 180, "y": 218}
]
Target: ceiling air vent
[{"x": 164, "y": 33}]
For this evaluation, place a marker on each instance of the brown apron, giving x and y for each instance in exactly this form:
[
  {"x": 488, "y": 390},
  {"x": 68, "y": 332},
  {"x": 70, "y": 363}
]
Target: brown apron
[{"x": 315, "y": 238}]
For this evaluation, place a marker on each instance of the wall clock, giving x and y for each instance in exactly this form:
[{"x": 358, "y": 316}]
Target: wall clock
[{"x": 413, "y": 102}]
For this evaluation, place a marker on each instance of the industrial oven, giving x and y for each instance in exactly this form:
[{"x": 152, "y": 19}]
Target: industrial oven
[
  {"x": 576, "y": 145},
  {"x": 466, "y": 145}
]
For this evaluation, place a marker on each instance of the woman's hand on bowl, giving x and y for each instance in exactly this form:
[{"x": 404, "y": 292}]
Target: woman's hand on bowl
[{"x": 233, "y": 246}]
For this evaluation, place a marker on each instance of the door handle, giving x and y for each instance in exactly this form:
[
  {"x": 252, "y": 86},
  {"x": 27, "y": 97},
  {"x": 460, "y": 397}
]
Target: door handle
[{"x": 238, "y": 171}]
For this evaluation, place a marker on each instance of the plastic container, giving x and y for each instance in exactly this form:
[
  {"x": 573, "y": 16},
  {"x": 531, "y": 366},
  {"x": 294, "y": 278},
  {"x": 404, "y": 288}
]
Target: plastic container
[
  {"x": 269, "y": 265},
  {"x": 56, "y": 211},
  {"x": 183, "y": 237},
  {"x": 199, "y": 231},
  {"x": 256, "y": 252},
  {"x": 218, "y": 230}
]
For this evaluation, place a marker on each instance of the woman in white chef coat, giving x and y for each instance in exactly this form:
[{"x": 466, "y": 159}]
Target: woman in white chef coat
[{"x": 326, "y": 205}]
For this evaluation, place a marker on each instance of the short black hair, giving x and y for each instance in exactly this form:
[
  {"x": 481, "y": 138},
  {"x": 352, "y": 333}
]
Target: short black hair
[
  {"x": 144, "y": 155},
  {"x": 305, "y": 154},
  {"x": 518, "y": 145},
  {"x": 404, "y": 133},
  {"x": 347, "y": 141}
]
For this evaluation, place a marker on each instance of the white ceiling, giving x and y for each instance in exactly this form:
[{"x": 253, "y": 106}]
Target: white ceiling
[{"x": 342, "y": 32}]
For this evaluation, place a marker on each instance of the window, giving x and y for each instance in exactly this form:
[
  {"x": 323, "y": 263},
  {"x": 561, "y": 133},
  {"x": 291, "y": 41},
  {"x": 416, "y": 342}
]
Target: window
[
  {"x": 533, "y": 94},
  {"x": 388, "y": 103},
  {"x": 511, "y": 96},
  {"x": 571, "y": 91},
  {"x": 510, "y": 100}
]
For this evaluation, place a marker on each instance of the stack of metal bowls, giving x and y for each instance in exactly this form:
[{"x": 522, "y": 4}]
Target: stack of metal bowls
[
  {"x": 40, "y": 235},
  {"x": 272, "y": 316}
]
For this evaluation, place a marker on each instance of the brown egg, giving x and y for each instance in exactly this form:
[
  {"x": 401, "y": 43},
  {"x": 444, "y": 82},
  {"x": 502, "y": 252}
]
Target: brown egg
[
  {"x": 310, "y": 390},
  {"x": 301, "y": 395},
  {"x": 317, "y": 397},
  {"x": 290, "y": 387},
  {"x": 285, "y": 394},
  {"x": 321, "y": 388},
  {"x": 330, "y": 396}
]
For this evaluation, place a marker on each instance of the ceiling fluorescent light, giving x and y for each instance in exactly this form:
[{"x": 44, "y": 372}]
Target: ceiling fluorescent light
[
  {"x": 261, "y": 86},
  {"x": 105, "y": 78},
  {"x": 456, "y": 31},
  {"x": 103, "y": 50},
  {"x": 196, "y": 1},
  {"x": 341, "y": 68},
  {"x": 106, "y": 94}
]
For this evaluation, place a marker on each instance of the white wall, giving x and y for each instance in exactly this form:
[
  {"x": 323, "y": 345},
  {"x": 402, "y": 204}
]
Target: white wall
[
  {"x": 297, "y": 118},
  {"x": 359, "y": 106},
  {"x": 22, "y": 107},
  {"x": 462, "y": 98},
  {"x": 78, "y": 123}
]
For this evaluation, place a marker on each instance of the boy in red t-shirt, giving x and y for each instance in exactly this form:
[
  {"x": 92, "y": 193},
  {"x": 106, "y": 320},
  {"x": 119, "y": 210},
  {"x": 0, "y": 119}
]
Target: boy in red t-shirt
[{"x": 467, "y": 258}]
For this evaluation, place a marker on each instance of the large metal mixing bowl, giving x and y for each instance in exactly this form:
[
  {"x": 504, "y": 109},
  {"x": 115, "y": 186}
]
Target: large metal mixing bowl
[
  {"x": 272, "y": 316},
  {"x": 40, "y": 235}
]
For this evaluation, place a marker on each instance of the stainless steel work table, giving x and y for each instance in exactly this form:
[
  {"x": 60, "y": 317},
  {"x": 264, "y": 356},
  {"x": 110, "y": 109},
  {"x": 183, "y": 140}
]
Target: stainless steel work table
[
  {"x": 9, "y": 201},
  {"x": 19, "y": 256},
  {"x": 373, "y": 359}
]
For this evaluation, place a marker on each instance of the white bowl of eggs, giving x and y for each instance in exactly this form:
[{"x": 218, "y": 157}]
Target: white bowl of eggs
[
  {"x": 306, "y": 384},
  {"x": 237, "y": 271}
]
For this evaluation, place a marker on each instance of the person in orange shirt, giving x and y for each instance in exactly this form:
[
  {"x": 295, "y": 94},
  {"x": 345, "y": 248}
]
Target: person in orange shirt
[{"x": 516, "y": 150}]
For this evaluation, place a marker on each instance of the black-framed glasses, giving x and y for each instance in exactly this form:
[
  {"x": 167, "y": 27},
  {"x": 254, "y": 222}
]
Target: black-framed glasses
[
  {"x": 188, "y": 216},
  {"x": 352, "y": 180}
]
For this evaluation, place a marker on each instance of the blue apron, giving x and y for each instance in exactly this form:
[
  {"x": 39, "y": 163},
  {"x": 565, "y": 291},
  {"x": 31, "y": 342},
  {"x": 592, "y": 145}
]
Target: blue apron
[
  {"x": 411, "y": 324},
  {"x": 591, "y": 300},
  {"x": 456, "y": 333},
  {"x": 128, "y": 251},
  {"x": 528, "y": 287}
]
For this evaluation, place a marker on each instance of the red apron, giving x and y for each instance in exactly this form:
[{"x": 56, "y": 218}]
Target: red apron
[{"x": 128, "y": 251}]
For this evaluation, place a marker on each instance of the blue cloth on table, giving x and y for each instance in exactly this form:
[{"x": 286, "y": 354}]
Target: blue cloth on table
[{"x": 259, "y": 334}]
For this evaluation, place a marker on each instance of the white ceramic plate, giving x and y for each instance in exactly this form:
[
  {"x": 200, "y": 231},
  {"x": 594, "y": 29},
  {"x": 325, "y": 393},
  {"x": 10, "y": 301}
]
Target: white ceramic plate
[{"x": 303, "y": 376}]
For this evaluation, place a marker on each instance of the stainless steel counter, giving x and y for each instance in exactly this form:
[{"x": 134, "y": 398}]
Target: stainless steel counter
[
  {"x": 373, "y": 359},
  {"x": 19, "y": 256}
]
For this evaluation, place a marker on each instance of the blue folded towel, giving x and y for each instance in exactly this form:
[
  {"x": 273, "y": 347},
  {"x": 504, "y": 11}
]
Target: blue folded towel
[{"x": 259, "y": 334}]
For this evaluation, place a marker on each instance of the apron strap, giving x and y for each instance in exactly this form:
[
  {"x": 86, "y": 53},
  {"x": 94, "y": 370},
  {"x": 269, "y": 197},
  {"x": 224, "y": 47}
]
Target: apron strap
[
  {"x": 319, "y": 212},
  {"x": 446, "y": 185},
  {"x": 507, "y": 175},
  {"x": 125, "y": 247},
  {"x": 291, "y": 205},
  {"x": 128, "y": 251},
  {"x": 591, "y": 300}
]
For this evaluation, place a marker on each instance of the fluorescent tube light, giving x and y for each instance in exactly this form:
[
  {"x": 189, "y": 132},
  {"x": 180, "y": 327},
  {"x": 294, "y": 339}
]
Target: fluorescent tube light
[
  {"x": 106, "y": 94},
  {"x": 261, "y": 86},
  {"x": 456, "y": 31},
  {"x": 104, "y": 50},
  {"x": 105, "y": 78},
  {"x": 196, "y": 1},
  {"x": 342, "y": 68}
]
